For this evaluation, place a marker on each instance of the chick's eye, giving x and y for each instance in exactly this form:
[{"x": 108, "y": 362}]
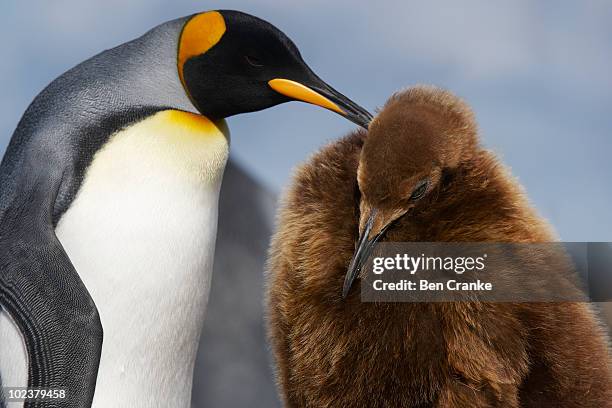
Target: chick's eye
[
  {"x": 419, "y": 190},
  {"x": 253, "y": 61}
]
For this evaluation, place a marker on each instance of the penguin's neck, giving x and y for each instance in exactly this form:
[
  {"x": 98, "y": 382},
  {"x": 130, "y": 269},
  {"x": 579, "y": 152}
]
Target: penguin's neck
[
  {"x": 141, "y": 72},
  {"x": 76, "y": 113},
  {"x": 141, "y": 233}
]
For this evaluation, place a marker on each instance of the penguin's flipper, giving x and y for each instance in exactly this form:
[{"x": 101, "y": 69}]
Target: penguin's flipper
[{"x": 57, "y": 317}]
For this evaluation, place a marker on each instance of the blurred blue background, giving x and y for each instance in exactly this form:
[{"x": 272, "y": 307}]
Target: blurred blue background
[{"x": 538, "y": 75}]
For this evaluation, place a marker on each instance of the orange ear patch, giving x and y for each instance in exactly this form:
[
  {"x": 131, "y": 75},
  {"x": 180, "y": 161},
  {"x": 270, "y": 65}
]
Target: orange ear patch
[{"x": 199, "y": 34}]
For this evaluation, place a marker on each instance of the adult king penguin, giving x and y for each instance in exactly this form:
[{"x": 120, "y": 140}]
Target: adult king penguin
[{"x": 108, "y": 206}]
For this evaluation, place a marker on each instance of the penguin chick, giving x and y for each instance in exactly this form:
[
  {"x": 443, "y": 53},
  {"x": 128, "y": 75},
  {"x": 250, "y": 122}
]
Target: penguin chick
[{"x": 418, "y": 174}]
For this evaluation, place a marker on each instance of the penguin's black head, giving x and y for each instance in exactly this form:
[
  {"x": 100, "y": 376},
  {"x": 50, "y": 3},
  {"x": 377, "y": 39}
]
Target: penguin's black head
[{"x": 231, "y": 62}]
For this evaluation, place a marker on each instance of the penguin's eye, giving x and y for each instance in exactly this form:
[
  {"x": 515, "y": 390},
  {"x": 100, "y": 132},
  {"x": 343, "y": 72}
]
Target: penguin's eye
[
  {"x": 253, "y": 61},
  {"x": 420, "y": 190}
]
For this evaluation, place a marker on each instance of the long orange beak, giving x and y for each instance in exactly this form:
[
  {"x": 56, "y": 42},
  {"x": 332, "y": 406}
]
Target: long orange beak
[{"x": 325, "y": 96}]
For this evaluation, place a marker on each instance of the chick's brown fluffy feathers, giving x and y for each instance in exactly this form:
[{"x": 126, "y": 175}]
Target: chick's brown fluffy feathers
[{"x": 334, "y": 352}]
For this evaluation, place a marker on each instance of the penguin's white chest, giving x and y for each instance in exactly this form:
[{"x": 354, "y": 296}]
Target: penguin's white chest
[{"x": 141, "y": 233}]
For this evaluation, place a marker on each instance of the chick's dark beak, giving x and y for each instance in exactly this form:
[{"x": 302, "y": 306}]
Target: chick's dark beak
[
  {"x": 365, "y": 245},
  {"x": 319, "y": 93}
]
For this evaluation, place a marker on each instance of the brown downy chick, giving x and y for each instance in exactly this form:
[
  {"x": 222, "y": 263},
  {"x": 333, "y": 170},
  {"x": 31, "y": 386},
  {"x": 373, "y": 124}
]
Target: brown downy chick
[{"x": 419, "y": 174}]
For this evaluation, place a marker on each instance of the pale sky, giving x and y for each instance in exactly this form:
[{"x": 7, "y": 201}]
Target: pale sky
[{"x": 538, "y": 75}]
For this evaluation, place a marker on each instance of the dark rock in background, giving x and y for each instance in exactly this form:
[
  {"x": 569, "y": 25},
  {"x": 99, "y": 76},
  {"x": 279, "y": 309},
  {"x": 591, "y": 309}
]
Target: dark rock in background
[{"x": 234, "y": 366}]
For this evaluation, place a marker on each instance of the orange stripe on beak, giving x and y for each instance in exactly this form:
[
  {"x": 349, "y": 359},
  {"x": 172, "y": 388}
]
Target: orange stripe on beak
[{"x": 299, "y": 92}]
